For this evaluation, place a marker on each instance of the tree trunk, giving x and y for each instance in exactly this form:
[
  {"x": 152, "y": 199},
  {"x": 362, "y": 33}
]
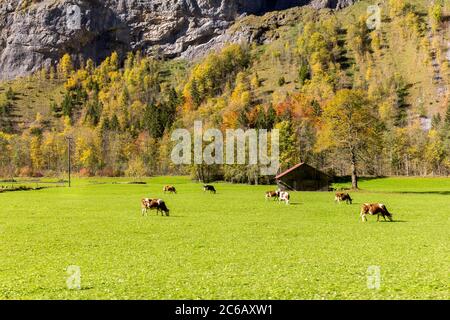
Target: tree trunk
[
  {"x": 407, "y": 165},
  {"x": 354, "y": 172}
]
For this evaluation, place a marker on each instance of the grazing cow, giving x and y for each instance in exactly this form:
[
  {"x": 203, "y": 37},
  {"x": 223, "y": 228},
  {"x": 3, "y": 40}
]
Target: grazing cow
[
  {"x": 160, "y": 206},
  {"x": 152, "y": 204},
  {"x": 170, "y": 189},
  {"x": 284, "y": 196},
  {"x": 341, "y": 196},
  {"x": 209, "y": 188},
  {"x": 272, "y": 194},
  {"x": 375, "y": 209}
]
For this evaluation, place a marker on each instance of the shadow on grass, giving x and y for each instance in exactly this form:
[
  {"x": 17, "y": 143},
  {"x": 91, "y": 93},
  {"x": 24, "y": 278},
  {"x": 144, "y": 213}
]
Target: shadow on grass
[
  {"x": 382, "y": 221},
  {"x": 395, "y": 221},
  {"x": 164, "y": 217},
  {"x": 86, "y": 288},
  {"x": 348, "y": 179},
  {"x": 444, "y": 193}
]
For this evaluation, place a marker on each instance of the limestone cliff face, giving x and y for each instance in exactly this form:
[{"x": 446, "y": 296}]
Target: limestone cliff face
[{"x": 36, "y": 33}]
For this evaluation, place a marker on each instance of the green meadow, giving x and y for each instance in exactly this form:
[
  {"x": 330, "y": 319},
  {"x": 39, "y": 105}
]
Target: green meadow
[{"x": 232, "y": 245}]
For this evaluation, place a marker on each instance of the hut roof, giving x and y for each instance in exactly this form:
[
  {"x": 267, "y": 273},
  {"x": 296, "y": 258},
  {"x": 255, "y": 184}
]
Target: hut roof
[
  {"x": 295, "y": 168},
  {"x": 289, "y": 170}
]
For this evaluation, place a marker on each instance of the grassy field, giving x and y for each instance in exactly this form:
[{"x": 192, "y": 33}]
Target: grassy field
[{"x": 232, "y": 245}]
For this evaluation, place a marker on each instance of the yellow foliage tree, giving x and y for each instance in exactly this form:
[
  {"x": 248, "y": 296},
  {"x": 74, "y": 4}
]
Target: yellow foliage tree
[
  {"x": 348, "y": 123},
  {"x": 65, "y": 66}
]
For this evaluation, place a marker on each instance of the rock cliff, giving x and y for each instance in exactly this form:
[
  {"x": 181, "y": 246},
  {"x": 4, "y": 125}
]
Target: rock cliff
[{"x": 36, "y": 33}]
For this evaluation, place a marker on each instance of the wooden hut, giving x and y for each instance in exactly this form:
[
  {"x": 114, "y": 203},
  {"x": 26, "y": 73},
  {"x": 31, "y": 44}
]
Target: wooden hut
[{"x": 303, "y": 177}]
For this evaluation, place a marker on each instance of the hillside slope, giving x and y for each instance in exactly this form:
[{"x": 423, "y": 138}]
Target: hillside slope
[{"x": 295, "y": 67}]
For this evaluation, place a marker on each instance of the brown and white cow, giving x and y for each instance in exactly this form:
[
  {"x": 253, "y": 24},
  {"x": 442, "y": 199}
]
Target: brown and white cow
[
  {"x": 284, "y": 196},
  {"x": 272, "y": 195},
  {"x": 160, "y": 206},
  {"x": 341, "y": 197},
  {"x": 170, "y": 189},
  {"x": 375, "y": 209}
]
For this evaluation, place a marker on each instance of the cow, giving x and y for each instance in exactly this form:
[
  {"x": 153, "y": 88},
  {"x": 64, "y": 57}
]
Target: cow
[
  {"x": 209, "y": 188},
  {"x": 341, "y": 196},
  {"x": 160, "y": 206},
  {"x": 375, "y": 209},
  {"x": 152, "y": 204},
  {"x": 284, "y": 196},
  {"x": 170, "y": 189},
  {"x": 272, "y": 194}
]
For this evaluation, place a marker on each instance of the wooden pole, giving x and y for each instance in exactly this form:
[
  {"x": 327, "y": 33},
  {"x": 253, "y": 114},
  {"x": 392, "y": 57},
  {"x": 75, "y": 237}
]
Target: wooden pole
[{"x": 69, "y": 162}]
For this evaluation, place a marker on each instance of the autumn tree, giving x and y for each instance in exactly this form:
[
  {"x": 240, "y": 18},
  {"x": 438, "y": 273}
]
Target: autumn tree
[
  {"x": 289, "y": 146},
  {"x": 6, "y": 124},
  {"x": 435, "y": 15},
  {"x": 447, "y": 116},
  {"x": 434, "y": 152},
  {"x": 349, "y": 123},
  {"x": 10, "y": 94},
  {"x": 136, "y": 168},
  {"x": 210, "y": 77},
  {"x": 5, "y": 155},
  {"x": 358, "y": 39},
  {"x": 93, "y": 111},
  {"x": 65, "y": 66},
  {"x": 396, "y": 7}
]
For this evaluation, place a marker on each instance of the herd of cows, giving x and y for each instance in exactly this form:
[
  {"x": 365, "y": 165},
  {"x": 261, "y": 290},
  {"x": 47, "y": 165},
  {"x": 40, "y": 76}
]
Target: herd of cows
[
  {"x": 160, "y": 206},
  {"x": 377, "y": 209}
]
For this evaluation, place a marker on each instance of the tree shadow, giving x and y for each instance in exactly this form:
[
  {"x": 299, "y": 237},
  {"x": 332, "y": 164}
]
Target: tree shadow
[
  {"x": 348, "y": 179},
  {"x": 444, "y": 193},
  {"x": 86, "y": 288}
]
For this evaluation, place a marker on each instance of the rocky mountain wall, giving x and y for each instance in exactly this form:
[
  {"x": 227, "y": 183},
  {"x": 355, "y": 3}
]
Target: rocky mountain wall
[{"x": 36, "y": 33}]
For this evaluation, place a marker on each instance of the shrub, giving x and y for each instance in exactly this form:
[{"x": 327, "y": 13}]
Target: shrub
[
  {"x": 136, "y": 168},
  {"x": 85, "y": 172},
  {"x": 25, "y": 171}
]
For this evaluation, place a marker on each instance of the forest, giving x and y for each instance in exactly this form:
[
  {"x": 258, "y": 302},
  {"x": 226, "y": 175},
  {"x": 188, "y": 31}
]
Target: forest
[{"x": 347, "y": 99}]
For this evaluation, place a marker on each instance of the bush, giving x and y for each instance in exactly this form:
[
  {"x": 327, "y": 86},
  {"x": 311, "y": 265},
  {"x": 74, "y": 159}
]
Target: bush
[
  {"x": 37, "y": 174},
  {"x": 25, "y": 172},
  {"x": 10, "y": 95},
  {"x": 106, "y": 172},
  {"x": 85, "y": 172},
  {"x": 136, "y": 168}
]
